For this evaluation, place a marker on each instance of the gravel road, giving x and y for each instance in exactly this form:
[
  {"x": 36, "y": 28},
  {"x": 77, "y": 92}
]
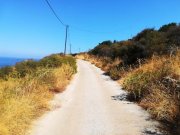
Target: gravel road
[{"x": 93, "y": 105}]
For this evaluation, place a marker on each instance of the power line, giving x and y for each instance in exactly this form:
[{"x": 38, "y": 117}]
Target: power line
[
  {"x": 55, "y": 13},
  {"x": 75, "y": 27},
  {"x": 67, "y": 34},
  {"x": 90, "y": 31},
  {"x": 66, "y": 26}
]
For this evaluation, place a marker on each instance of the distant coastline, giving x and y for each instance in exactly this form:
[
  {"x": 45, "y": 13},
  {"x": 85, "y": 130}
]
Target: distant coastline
[{"x": 8, "y": 61}]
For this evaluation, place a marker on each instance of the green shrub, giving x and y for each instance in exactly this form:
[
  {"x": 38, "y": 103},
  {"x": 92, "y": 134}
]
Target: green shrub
[
  {"x": 26, "y": 67},
  {"x": 5, "y": 72},
  {"x": 51, "y": 61},
  {"x": 130, "y": 54},
  {"x": 103, "y": 49},
  {"x": 167, "y": 27}
]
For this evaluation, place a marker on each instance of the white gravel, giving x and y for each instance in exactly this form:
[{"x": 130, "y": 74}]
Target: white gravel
[{"x": 89, "y": 107}]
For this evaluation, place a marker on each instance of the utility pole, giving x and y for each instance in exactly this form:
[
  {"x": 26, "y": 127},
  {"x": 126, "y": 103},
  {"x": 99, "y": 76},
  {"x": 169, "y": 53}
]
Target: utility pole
[
  {"x": 67, "y": 26},
  {"x": 70, "y": 48}
]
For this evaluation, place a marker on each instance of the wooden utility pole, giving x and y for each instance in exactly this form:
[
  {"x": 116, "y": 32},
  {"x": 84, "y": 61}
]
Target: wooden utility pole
[
  {"x": 70, "y": 48},
  {"x": 67, "y": 26}
]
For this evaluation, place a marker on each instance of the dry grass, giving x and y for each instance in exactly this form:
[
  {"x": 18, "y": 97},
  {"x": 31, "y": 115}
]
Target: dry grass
[
  {"x": 161, "y": 105},
  {"x": 24, "y": 99},
  {"x": 156, "y": 87},
  {"x": 114, "y": 68},
  {"x": 104, "y": 63}
]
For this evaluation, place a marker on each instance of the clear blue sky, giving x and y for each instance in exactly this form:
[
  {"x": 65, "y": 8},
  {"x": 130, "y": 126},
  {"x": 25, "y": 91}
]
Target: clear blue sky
[{"x": 29, "y": 29}]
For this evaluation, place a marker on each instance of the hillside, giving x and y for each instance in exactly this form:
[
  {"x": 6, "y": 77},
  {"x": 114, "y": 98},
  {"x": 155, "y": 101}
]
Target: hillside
[
  {"x": 27, "y": 88},
  {"x": 148, "y": 67}
]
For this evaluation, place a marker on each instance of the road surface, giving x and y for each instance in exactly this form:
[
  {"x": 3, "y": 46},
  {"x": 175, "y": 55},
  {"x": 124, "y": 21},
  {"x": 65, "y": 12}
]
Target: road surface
[{"x": 92, "y": 105}]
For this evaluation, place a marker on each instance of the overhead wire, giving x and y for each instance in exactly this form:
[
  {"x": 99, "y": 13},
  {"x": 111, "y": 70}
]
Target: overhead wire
[
  {"x": 90, "y": 31},
  {"x": 53, "y": 11},
  {"x": 60, "y": 20},
  {"x": 75, "y": 27}
]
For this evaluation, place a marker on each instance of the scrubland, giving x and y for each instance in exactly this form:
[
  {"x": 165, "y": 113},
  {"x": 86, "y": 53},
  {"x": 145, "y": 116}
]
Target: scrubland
[{"x": 26, "y": 89}]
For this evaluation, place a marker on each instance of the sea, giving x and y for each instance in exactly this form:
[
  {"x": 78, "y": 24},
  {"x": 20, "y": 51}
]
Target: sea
[{"x": 7, "y": 61}]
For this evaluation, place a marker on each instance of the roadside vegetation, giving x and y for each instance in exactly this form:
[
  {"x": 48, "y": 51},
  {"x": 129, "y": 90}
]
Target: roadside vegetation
[
  {"x": 26, "y": 88},
  {"x": 148, "y": 67}
]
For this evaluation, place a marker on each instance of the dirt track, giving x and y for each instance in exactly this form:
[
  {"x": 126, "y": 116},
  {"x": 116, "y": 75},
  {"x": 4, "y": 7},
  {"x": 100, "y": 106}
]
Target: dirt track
[{"x": 91, "y": 105}]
